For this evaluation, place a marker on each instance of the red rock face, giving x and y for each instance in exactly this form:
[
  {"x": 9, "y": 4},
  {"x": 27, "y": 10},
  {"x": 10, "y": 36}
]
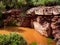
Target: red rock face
[
  {"x": 56, "y": 28},
  {"x": 46, "y": 25},
  {"x": 12, "y": 16},
  {"x": 26, "y": 22},
  {"x": 50, "y": 25}
]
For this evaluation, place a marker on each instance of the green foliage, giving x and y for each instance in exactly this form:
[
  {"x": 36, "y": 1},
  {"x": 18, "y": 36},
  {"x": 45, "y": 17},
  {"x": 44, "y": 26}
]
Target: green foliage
[
  {"x": 9, "y": 3},
  {"x": 14, "y": 3},
  {"x": 58, "y": 2},
  {"x": 1, "y": 20},
  {"x": 21, "y": 3},
  {"x": 1, "y": 15},
  {"x": 33, "y": 43},
  {"x": 43, "y": 2},
  {"x": 12, "y": 39},
  {"x": 2, "y": 6}
]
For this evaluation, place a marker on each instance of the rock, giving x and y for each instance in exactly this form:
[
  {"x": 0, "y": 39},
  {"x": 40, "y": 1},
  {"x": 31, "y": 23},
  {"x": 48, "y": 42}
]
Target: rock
[
  {"x": 26, "y": 22},
  {"x": 58, "y": 42},
  {"x": 31, "y": 10},
  {"x": 45, "y": 10},
  {"x": 12, "y": 12},
  {"x": 39, "y": 11},
  {"x": 43, "y": 21},
  {"x": 40, "y": 28},
  {"x": 55, "y": 11},
  {"x": 53, "y": 21}
]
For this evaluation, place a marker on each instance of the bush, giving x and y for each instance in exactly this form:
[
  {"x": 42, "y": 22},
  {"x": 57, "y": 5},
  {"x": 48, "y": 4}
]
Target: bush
[
  {"x": 21, "y": 2},
  {"x": 14, "y": 3},
  {"x": 6, "y": 4},
  {"x": 1, "y": 19},
  {"x": 1, "y": 15},
  {"x": 43, "y": 2},
  {"x": 58, "y": 2},
  {"x": 2, "y": 6},
  {"x": 12, "y": 39}
]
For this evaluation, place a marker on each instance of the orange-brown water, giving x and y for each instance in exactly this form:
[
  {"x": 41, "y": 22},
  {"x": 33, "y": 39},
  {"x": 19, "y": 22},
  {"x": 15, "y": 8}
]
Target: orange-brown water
[{"x": 29, "y": 34}]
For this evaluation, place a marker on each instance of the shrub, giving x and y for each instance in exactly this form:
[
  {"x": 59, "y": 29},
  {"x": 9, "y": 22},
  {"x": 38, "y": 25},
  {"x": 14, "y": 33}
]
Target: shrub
[
  {"x": 12, "y": 39},
  {"x": 43, "y": 2},
  {"x": 58, "y": 2},
  {"x": 8, "y": 3},
  {"x": 1, "y": 19},
  {"x": 20, "y": 3},
  {"x": 2, "y": 6},
  {"x": 1, "y": 15},
  {"x": 14, "y": 3}
]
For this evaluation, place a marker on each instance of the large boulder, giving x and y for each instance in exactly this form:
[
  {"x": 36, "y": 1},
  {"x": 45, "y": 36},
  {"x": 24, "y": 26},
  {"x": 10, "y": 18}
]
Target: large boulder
[
  {"x": 51, "y": 18},
  {"x": 45, "y": 10},
  {"x": 40, "y": 21},
  {"x": 48, "y": 26}
]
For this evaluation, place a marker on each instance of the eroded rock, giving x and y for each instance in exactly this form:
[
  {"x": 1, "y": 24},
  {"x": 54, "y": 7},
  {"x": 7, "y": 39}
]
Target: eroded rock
[
  {"x": 45, "y": 10},
  {"x": 47, "y": 25}
]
